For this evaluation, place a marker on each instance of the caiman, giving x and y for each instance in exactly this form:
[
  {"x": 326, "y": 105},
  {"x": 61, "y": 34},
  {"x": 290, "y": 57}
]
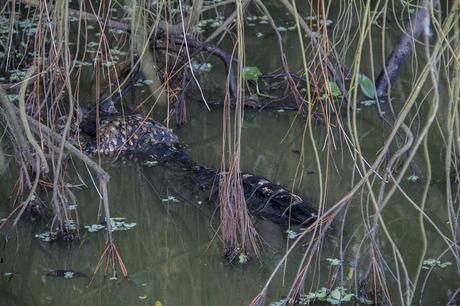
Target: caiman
[{"x": 135, "y": 134}]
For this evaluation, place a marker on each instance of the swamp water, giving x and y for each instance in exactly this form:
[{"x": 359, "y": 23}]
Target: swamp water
[{"x": 172, "y": 252}]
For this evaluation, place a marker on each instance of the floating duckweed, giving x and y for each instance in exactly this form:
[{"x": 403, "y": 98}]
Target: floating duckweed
[
  {"x": 433, "y": 263},
  {"x": 339, "y": 295},
  {"x": 368, "y": 102},
  {"x": 150, "y": 163},
  {"x": 292, "y": 234},
  {"x": 94, "y": 227},
  {"x": 118, "y": 224},
  {"x": 72, "y": 207},
  {"x": 278, "y": 303},
  {"x": 243, "y": 258},
  {"x": 334, "y": 261},
  {"x": 319, "y": 295},
  {"x": 211, "y": 23},
  {"x": 93, "y": 44},
  {"x": 46, "y": 236},
  {"x": 78, "y": 63},
  {"x": 115, "y": 51},
  {"x": 328, "y": 22},
  {"x": 108, "y": 64},
  {"x": 69, "y": 274},
  {"x": 70, "y": 224},
  {"x": 147, "y": 82},
  {"x": 170, "y": 199},
  {"x": 201, "y": 67}
]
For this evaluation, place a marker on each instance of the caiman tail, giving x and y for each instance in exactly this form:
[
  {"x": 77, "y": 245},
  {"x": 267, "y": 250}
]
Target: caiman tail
[{"x": 151, "y": 141}]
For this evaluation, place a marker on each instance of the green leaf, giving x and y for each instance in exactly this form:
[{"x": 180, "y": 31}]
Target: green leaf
[
  {"x": 335, "y": 90},
  {"x": 251, "y": 73},
  {"x": 367, "y": 86}
]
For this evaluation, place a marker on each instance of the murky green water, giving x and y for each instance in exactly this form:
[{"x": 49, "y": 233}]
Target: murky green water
[{"x": 173, "y": 254}]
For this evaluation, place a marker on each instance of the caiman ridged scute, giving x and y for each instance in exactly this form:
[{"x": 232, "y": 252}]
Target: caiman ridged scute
[
  {"x": 273, "y": 202},
  {"x": 129, "y": 133},
  {"x": 143, "y": 136}
]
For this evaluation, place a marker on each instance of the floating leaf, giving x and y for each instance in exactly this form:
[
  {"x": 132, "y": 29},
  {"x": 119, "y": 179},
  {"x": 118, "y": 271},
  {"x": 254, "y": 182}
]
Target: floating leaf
[
  {"x": 251, "y": 73},
  {"x": 367, "y": 86}
]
